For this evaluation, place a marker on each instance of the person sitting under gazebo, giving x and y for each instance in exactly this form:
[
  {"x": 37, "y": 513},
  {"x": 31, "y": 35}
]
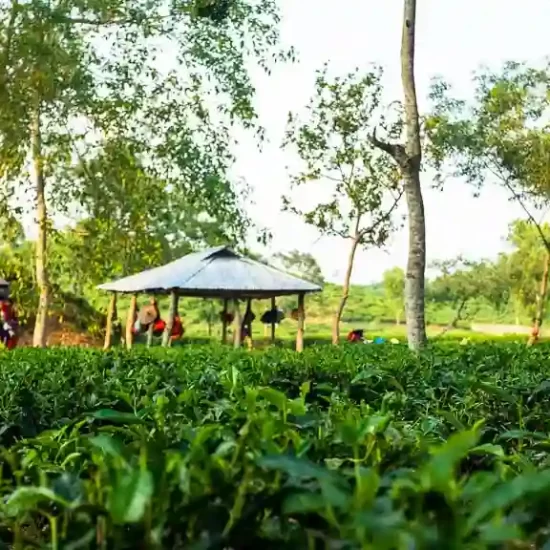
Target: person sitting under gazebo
[
  {"x": 9, "y": 322},
  {"x": 150, "y": 314}
]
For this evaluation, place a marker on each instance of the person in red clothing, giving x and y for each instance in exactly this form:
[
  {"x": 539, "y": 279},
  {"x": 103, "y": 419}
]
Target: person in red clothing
[
  {"x": 8, "y": 318},
  {"x": 356, "y": 336},
  {"x": 177, "y": 330},
  {"x": 159, "y": 326}
]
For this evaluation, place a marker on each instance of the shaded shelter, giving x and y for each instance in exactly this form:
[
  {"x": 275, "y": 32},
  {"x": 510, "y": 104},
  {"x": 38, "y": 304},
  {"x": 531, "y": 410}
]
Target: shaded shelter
[{"x": 218, "y": 273}]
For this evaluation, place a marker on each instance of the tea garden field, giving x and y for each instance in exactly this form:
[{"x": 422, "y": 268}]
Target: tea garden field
[{"x": 355, "y": 447}]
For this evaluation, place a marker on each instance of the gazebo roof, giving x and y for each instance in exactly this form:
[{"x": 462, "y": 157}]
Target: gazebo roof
[{"x": 214, "y": 273}]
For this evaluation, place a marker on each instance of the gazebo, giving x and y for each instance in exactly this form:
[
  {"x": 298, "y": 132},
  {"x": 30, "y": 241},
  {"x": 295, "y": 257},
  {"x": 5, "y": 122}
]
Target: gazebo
[{"x": 218, "y": 273}]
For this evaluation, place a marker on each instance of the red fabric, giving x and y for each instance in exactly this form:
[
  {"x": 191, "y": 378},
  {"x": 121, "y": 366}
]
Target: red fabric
[
  {"x": 177, "y": 329},
  {"x": 158, "y": 326},
  {"x": 353, "y": 337},
  {"x": 11, "y": 342},
  {"x": 9, "y": 316},
  {"x": 8, "y": 313}
]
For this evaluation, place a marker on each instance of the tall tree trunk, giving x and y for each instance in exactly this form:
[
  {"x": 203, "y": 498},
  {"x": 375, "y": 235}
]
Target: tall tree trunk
[
  {"x": 39, "y": 336},
  {"x": 416, "y": 263},
  {"x": 541, "y": 302},
  {"x": 345, "y": 292}
]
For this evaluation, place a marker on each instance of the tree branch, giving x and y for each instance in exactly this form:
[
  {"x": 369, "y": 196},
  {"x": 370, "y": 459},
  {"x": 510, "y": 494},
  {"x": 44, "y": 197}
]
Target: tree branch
[
  {"x": 383, "y": 218},
  {"x": 517, "y": 197},
  {"x": 106, "y": 22},
  {"x": 395, "y": 150},
  {"x": 387, "y": 147},
  {"x": 457, "y": 318}
]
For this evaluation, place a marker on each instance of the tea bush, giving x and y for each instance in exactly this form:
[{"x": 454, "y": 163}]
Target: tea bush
[{"x": 355, "y": 447}]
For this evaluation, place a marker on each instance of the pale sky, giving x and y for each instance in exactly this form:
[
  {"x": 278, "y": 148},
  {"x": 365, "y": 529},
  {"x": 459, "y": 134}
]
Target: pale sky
[{"x": 454, "y": 37}]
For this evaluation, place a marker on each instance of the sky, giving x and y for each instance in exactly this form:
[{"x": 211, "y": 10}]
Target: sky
[{"x": 454, "y": 38}]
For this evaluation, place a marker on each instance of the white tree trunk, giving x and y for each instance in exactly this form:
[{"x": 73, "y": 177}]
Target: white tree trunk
[
  {"x": 416, "y": 264},
  {"x": 39, "y": 336}
]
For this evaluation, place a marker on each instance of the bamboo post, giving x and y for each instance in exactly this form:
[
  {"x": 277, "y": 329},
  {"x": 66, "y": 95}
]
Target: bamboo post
[
  {"x": 110, "y": 315},
  {"x": 237, "y": 336},
  {"x": 224, "y": 322},
  {"x": 273, "y": 308},
  {"x": 172, "y": 313},
  {"x": 301, "y": 319},
  {"x": 249, "y": 340},
  {"x": 150, "y": 335},
  {"x": 151, "y": 327},
  {"x": 130, "y": 321}
]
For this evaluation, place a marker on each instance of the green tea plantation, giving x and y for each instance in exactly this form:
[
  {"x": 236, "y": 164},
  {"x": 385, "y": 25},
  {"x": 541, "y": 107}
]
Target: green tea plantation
[{"x": 205, "y": 448}]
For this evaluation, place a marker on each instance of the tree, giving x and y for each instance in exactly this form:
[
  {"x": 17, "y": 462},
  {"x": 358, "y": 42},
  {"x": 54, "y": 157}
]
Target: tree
[
  {"x": 73, "y": 75},
  {"x": 394, "y": 290},
  {"x": 465, "y": 284},
  {"x": 302, "y": 265},
  {"x": 131, "y": 220},
  {"x": 409, "y": 158},
  {"x": 502, "y": 136},
  {"x": 357, "y": 185},
  {"x": 526, "y": 272}
]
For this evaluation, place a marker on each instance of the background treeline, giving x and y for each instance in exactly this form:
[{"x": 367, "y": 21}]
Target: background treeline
[{"x": 500, "y": 291}]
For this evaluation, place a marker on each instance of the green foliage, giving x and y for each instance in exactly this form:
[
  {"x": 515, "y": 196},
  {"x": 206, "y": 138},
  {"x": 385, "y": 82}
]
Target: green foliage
[
  {"x": 524, "y": 266},
  {"x": 302, "y": 265},
  {"x": 357, "y": 446},
  {"x": 393, "y": 282},
  {"x": 137, "y": 150},
  {"x": 464, "y": 284},
  {"x": 358, "y": 186},
  {"x": 502, "y": 136}
]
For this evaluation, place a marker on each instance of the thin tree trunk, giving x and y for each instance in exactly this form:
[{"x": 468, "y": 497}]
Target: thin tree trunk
[
  {"x": 416, "y": 263},
  {"x": 345, "y": 292},
  {"x": 458, "y": 316},
  {"x": 541, "y": 302},
  {"x": 39, "y": 336}
]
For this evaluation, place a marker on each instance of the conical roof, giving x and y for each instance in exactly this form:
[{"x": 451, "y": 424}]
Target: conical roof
[{"x": 214, "y": 273}]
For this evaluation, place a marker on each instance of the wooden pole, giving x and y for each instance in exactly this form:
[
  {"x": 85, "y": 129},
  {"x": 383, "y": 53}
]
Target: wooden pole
[
  {"x": 110, "y": 316},
  {"x": 237, "y": 337},
  {"x": 273, "y": 309},
  {"x": 173, "y": 312},
  {"x": 224, "y": 322},
  {"x": 151, "y": 327},
  {"x": 130, "y": 321},
  {"x": 301, "y": 319},
  {"x": 248, "y": 316}
]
